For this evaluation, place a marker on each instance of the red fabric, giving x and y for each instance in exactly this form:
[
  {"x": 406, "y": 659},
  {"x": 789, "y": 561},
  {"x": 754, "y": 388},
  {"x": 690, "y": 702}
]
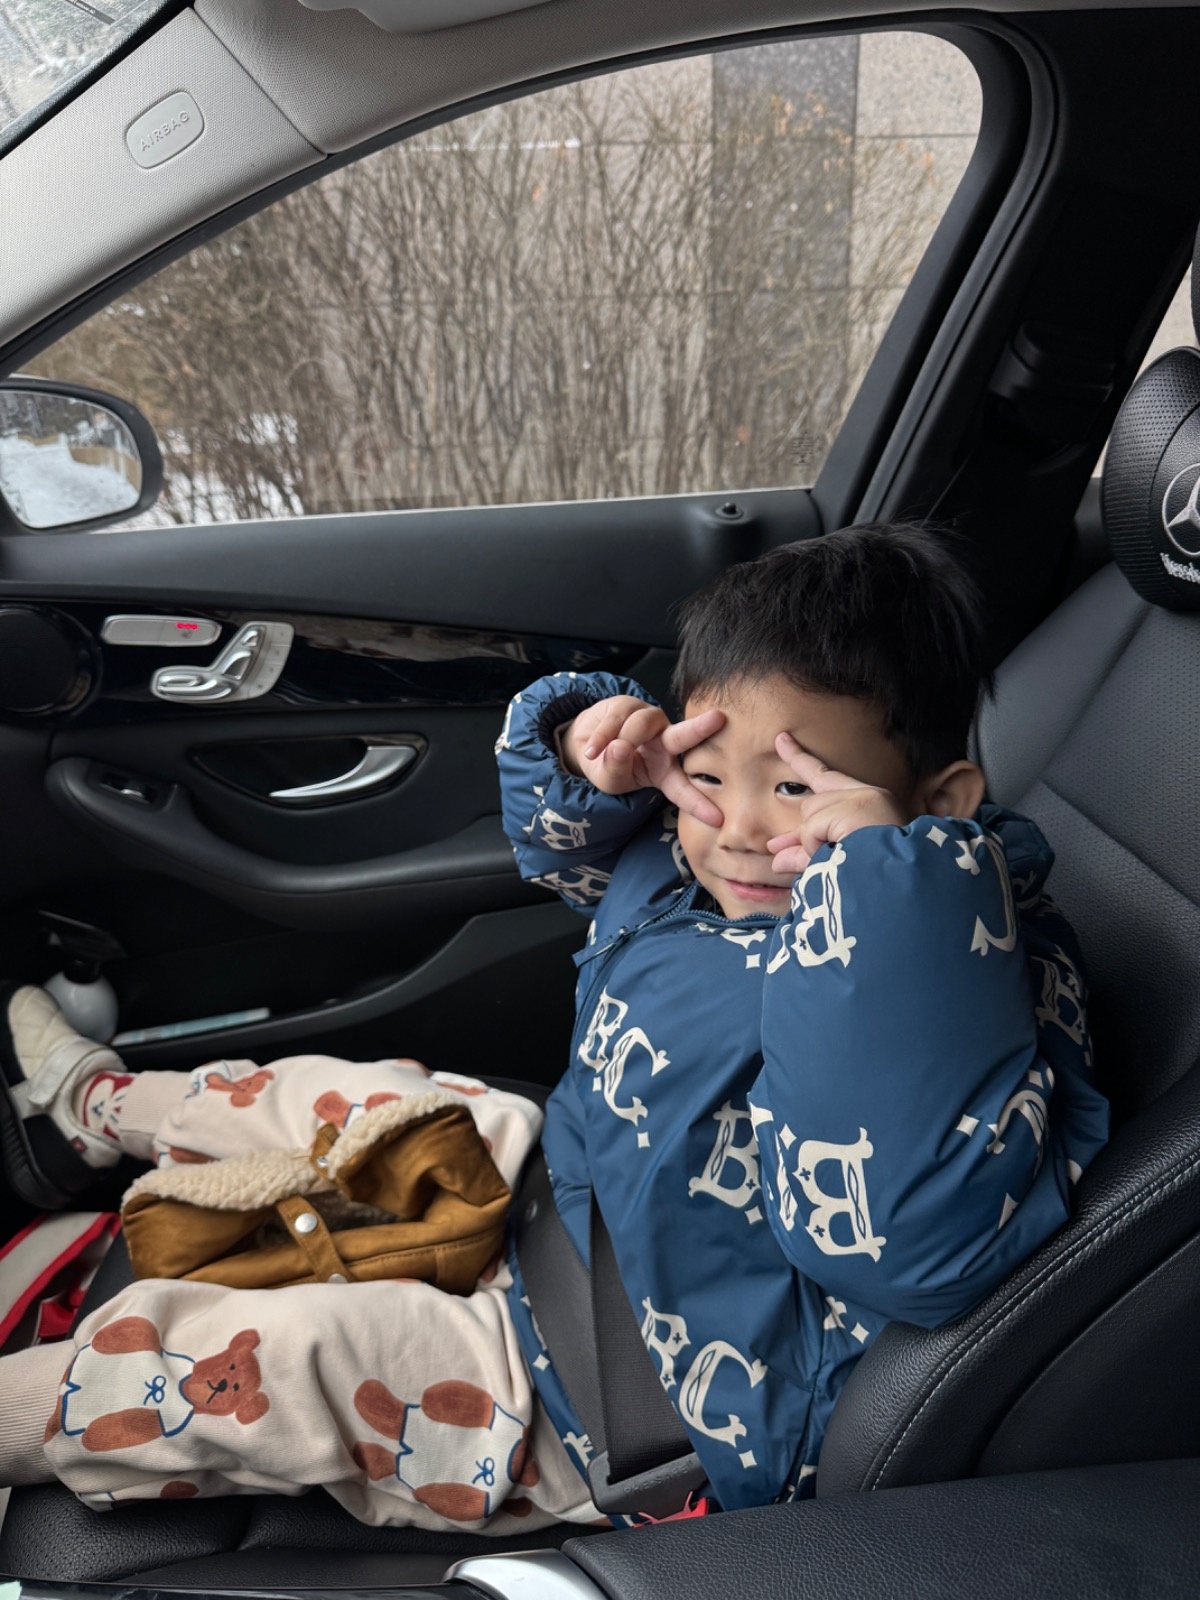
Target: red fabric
[
  {"x": 107, "y": 1223},
  {"x": 703, "y": 1507},
  {"x": 56, "y": 1315}
]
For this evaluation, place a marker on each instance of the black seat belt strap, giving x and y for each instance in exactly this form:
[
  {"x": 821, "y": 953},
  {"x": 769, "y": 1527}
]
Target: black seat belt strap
[
  {"x": 641, "y": 1427},
  {"x": 559, "y": 1291},
  {"x": 642, "y": 1457}
]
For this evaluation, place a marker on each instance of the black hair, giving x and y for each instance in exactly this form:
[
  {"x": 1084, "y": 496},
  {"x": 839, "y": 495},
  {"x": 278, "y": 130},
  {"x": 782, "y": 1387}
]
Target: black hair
[{"x": 886, "y": 612}]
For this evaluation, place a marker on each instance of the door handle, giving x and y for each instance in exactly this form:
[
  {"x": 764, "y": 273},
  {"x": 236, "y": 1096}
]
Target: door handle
[
  {"x": 381, "y": 763},
  {"x": 469, "y": 870}
]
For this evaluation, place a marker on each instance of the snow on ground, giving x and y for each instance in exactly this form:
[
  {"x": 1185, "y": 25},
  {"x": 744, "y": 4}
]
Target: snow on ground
[{"x": 46, "y": 487}]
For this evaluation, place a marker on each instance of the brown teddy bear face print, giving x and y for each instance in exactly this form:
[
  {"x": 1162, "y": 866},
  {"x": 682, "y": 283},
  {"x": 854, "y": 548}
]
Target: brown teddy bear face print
[
  {"x": 229, "y": 1384},
  {"x": 123, "y": 1389}
]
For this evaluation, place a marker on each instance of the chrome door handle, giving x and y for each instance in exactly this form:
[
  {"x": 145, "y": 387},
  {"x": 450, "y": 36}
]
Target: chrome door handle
[
  {"x": 247, "y": 667},
  {"x": 379, "y": 765}
]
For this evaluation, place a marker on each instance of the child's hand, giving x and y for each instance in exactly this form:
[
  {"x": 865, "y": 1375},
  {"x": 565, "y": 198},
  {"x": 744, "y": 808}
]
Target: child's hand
[
  {"x": 836, "y": 807},
  {"x": 622, "y": 744}
]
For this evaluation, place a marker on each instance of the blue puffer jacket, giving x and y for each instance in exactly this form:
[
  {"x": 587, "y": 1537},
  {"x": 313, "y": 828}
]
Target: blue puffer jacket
[{"x": 798, "y": 1130}]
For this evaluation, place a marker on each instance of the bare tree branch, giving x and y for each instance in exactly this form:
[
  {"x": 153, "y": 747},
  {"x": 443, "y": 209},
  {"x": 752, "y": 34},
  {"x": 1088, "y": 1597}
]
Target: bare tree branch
[{"x": 606, "y": 290}]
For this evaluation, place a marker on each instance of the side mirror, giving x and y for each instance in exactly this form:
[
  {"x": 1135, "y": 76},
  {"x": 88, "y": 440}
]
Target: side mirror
[{"x": 72, "y": 458}]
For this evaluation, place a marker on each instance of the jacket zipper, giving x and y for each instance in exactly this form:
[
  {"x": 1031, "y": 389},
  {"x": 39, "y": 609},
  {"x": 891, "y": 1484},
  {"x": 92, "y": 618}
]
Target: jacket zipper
[{"x": 675, "y": 912}]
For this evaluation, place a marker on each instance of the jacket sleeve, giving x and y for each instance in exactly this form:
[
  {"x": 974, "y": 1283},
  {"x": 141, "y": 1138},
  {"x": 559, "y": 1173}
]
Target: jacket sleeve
[
  {"x": 925, "y": 1101},
  {"x": 565, "y": 833}
]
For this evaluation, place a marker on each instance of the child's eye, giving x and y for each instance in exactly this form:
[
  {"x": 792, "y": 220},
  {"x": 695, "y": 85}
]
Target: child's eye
[
  {"x": 701, "y": 777},
  {"x": 793, "y": 790}
]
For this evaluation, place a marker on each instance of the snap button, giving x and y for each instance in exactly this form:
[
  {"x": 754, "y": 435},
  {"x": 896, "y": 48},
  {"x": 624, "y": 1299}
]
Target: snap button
[
  {"x": 305, "y": 1222},
  {"x": 322, "y": 1162},
  {"x": 337, "y": 1277}
]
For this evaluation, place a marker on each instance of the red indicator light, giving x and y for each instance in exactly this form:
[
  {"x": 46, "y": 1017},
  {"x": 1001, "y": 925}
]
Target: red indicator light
[{"x": 188, "y": 627}]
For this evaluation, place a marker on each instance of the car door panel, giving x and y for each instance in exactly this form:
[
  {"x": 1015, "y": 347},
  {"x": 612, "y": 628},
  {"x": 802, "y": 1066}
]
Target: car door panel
[
  {"x": 594, "y": 570},
  {"x": 450, "y": 785},
  {"x": 470, "y": 868},
  {"x": 442, "y": 1009},
  {"x": 388, "y": 920}
]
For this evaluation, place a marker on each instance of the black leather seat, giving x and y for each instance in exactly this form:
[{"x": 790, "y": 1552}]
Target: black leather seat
[{"x": 1087, "y": 1355}]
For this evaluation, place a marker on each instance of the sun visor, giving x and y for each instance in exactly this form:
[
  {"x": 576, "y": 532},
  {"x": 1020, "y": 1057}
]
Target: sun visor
[{"x": 424, "y": 16}]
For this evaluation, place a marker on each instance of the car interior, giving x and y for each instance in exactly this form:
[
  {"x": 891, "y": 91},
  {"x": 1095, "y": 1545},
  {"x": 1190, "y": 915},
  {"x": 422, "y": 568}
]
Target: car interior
[{"x": 292, "y": 839}]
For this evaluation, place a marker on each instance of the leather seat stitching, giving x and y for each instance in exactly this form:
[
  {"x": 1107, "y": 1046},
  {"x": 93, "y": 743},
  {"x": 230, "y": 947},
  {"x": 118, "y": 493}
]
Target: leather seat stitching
[
  {"x": 1078, "y": 1247},
  {"x": 1118, "y": 646},
  {"x": 1126, "y": 849}
]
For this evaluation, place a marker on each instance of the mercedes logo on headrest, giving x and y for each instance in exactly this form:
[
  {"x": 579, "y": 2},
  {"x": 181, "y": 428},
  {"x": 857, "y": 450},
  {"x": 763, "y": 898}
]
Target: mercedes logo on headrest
[{"x": 1180, "y": 511}]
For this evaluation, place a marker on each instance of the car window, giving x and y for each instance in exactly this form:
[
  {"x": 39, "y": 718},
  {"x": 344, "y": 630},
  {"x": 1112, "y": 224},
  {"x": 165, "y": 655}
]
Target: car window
[
  {"x": 665, "y": 280},
  {"x": 48, "y": 45}
]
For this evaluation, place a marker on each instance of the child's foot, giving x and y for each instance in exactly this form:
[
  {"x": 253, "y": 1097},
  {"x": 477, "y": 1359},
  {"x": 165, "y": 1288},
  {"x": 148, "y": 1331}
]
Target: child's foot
[{"x": 59, "y": 1094}]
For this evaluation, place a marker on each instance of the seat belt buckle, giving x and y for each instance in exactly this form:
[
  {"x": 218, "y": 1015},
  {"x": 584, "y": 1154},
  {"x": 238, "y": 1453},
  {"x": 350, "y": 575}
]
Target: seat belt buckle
[
  {"x": 658, "y": 1492},
  {"x": 693, "y": 1508}
]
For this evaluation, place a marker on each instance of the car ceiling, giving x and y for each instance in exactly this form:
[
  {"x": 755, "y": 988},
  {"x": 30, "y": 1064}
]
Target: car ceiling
[{"x": 283, "y": 89}]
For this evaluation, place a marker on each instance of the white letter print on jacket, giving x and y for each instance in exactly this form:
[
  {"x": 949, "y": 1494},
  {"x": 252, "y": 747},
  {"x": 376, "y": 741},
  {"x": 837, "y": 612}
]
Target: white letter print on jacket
[
  {"x": 824, "y": 918},
  {"x": 559, "y": 832},
  {"x": 983, "y": 939},
  {"x": 609, "y": 1067},
  {"x": 694, "y": 1392},
  {"x": 726, "y": 1152},
  {"x": 851, "y": 1204},
  {"x": 694, "y": 1389},
  {"x": 668, "y": 1347}
]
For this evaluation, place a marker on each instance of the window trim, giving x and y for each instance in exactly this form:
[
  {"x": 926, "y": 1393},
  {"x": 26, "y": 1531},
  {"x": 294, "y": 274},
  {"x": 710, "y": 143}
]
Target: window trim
[
  {"x": 30, "y": 121},
  {"x": 870, "y": 421},
  {"x": 870, "y": 467}
]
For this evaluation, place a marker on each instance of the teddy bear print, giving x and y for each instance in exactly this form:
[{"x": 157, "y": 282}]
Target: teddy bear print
[
  {"x": 241, "y": 1091},
  {"x": 334, "y": 1107},
  {"x": 219, "y": 1076},
  {"x": 123, "y": 1389},
  {"x": 176, "y": 1156},
  {"x": 455, "y": 1450},
  {"x": 459, "y": 1084}
]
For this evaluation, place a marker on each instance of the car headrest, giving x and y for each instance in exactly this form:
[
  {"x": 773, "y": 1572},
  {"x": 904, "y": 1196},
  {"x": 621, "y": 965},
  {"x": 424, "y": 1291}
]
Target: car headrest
[{"x": 1150, "y": 492}]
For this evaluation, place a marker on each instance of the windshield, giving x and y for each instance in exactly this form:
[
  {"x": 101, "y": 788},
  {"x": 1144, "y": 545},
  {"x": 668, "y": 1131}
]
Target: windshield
[{"x": 46, "y": 45}]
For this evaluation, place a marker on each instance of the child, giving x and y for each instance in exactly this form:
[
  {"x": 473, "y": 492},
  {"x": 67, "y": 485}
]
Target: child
[{"x": 830, "y": 1069}]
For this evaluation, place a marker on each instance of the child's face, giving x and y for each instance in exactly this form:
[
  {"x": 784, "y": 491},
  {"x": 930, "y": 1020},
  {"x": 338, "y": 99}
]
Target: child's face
[{"x": 757, "y": 792}]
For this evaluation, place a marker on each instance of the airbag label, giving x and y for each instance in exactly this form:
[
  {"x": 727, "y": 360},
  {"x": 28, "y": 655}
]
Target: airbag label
[{"x": 165, "y": 130}]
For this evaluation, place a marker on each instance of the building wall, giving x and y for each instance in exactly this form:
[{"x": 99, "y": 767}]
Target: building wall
[{"x": 665, "y": 280}]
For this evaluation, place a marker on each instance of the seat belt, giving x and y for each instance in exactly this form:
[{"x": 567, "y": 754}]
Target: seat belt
[{"x": 642, "y": 1459}]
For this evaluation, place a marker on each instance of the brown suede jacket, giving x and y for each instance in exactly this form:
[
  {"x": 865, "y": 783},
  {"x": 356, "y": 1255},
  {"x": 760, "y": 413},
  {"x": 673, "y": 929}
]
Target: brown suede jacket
[{"x": 409, "y": 1190}]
